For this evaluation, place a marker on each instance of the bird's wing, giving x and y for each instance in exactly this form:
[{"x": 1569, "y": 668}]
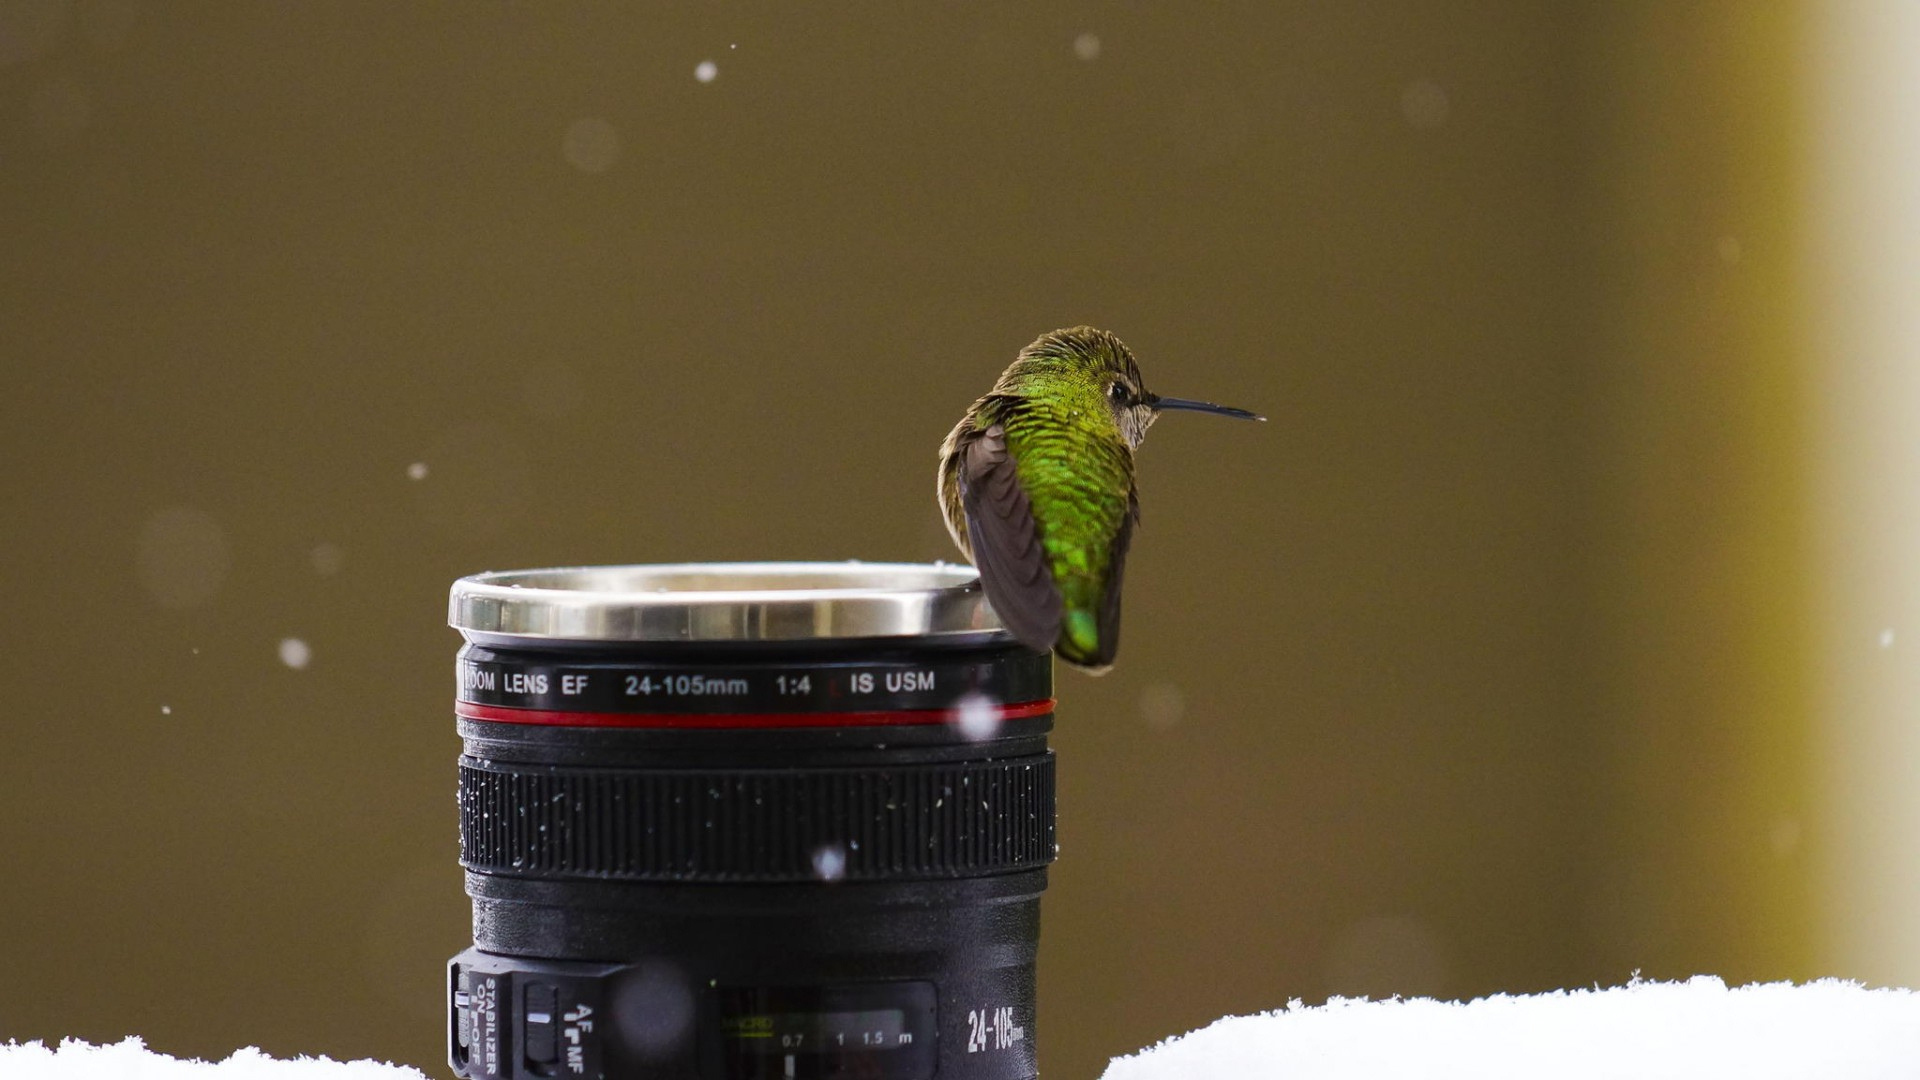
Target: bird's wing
[{"x": 1006, "y": 542}]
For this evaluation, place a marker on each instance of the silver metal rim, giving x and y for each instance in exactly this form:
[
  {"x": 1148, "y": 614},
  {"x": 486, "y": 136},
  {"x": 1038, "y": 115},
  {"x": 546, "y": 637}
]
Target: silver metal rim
[{"x": 722, "y": 602}]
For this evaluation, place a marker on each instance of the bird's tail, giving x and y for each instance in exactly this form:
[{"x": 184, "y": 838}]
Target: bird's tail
[{"x": 1081, "y": 643}]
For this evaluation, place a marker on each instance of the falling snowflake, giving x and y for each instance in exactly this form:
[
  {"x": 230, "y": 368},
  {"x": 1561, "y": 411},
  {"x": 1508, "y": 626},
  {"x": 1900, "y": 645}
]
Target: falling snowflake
[
  {"x": 295, "y": 653},
  {"x": 830, "y": 863},
  {"x": 977, "y": 718}
]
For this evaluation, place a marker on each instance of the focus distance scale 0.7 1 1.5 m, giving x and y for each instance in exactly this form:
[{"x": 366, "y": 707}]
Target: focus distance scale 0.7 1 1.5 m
[{"x": 722, "y": 821}]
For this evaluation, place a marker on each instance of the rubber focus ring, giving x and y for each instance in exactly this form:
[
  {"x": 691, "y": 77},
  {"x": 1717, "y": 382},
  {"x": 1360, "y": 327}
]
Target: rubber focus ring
[{"x": 887, "y": 823}]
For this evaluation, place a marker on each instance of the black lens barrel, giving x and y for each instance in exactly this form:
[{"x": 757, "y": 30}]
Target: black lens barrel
[{"x": 752, "y": 859}]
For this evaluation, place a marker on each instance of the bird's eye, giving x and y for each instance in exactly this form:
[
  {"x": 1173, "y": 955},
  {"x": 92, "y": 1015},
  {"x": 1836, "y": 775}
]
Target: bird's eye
[{"x": 1118, "y": 392}]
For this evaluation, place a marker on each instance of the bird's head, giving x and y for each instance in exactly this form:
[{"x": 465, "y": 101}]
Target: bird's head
[{"x": 1083, "y": 365}]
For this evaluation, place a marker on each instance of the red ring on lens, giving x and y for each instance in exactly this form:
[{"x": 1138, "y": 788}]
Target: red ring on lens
[{"x": 498, "y": 714}]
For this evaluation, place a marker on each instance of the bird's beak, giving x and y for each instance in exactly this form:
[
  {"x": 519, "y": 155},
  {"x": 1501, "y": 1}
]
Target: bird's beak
[{"x": 1165, "y": 403}]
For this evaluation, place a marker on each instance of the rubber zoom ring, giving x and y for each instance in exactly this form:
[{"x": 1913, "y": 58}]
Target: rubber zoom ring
[{"x": 893, "y": 823}]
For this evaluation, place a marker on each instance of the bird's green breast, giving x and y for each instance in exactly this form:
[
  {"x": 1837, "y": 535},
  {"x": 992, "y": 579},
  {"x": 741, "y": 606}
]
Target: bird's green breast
[{"x": 1077, "y": 474}]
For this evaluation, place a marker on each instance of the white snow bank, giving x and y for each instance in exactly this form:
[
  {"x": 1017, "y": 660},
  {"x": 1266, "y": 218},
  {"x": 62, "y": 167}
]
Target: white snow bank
[
  {"x": 1649, "y": 1031},
  {"x": 131, "y": 1060}
]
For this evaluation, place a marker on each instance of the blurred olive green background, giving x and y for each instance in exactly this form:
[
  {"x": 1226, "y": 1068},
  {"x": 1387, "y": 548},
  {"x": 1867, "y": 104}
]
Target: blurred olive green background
[{"x": 1494, "y": 662}]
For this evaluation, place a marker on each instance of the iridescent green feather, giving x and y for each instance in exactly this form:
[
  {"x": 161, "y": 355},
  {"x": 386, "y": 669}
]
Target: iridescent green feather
[{"x": 1078, "y": 478}]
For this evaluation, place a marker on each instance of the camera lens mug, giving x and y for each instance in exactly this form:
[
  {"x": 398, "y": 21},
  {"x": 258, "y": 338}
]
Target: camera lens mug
[{"x": 769, "y": 821}]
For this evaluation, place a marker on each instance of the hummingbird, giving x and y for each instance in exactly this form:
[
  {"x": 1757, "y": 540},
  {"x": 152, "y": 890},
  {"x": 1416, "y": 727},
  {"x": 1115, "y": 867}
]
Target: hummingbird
[{"x": 1036, "y": 484}]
